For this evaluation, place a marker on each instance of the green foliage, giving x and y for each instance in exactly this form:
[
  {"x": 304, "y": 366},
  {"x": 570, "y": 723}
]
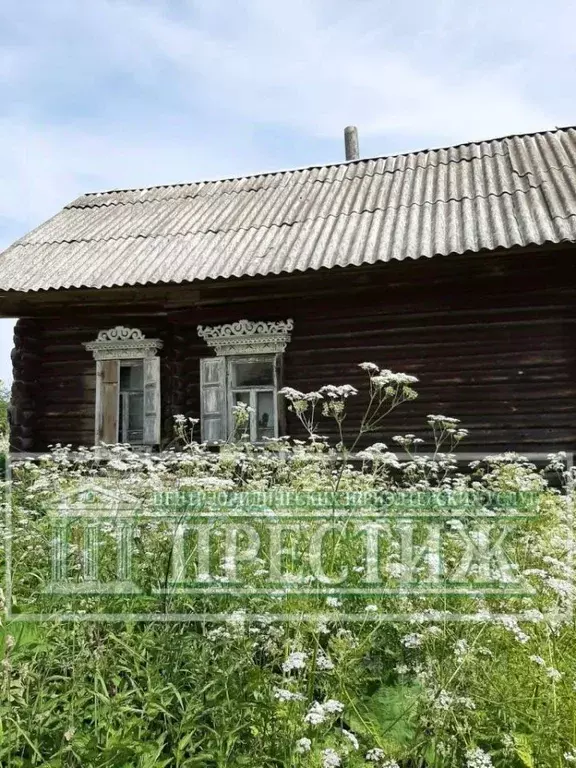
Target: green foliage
[
  {"x": 4, "y": 405},
  {"x": 309, "y": 693}
]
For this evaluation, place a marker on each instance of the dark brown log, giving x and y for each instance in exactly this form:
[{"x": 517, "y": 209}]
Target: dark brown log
[{"x": 491, "y": 338}]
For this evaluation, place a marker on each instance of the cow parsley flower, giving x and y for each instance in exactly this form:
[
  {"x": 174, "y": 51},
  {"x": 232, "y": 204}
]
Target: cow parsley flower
[
  {"x": 377, "y": 755},
  {"x": 412, "y": 641},
  {"x": 387, "y": 378},
  {"x": 553, "y": 674},
  {"x": 282, "y": 694},
  {"x": 351, "y": 738},
  {"x": 324, "y": 663},
  {"x": 461, "y": 649},
  {"x": 370, "y": 367},
  {"x": 466, "y": 702},
  {"x": 315, "y": 715},
  {"x": 318, "y": 712},
  {"x": 333, "y": 706},
  {"x": 443, "y": 700},
  {"x": 512, "y": 625},
  {"x": 338, "y": 393},
  {"x": 303, "y": 745},
  {"x": 296, "y": 660},
  {"x": 330, "y": 759},
  {"x": 477, "y": 758}
]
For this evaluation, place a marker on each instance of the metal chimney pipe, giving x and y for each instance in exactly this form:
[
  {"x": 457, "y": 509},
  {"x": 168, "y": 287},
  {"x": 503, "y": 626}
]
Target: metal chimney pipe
[{"x": 351, "y": 143}]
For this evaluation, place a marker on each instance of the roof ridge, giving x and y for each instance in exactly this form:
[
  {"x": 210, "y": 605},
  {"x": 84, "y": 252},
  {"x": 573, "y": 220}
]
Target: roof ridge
[
  {"x": 277, "y": 172},
  {"x": 308, "y": 181}
]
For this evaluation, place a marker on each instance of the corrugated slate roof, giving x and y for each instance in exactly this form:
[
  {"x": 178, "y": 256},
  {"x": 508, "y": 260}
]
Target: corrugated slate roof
[{"x": 514, "y": 191}]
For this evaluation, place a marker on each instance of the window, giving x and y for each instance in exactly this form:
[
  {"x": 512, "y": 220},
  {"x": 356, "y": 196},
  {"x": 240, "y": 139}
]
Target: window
[
  {"x": 247, "y": 369},
  {"x": 127, "y": 387},
  {"x": 253, "y": 382},
  {"x": 131, "y": 405}
]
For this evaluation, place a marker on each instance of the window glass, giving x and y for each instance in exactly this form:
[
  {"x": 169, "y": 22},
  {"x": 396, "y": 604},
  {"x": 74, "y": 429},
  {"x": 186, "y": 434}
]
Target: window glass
[
  {"x": 252, "y": 374},
  {"x": 131, "y": 377},
  {"x": 241, "y": 397},
  {"x": 264, "y": 415},
  {"x": 131, "y": 411},
  {"x": 135, "y": 417}
]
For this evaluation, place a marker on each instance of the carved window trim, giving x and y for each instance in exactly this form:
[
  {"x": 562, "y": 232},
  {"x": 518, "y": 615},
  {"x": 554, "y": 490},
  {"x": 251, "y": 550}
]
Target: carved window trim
[
  {"x": 247, "y": 337},
  {"x": 244, "y": 340},
  {"x": 121, "y": 343},
  {"x": 110, "y": 349}
]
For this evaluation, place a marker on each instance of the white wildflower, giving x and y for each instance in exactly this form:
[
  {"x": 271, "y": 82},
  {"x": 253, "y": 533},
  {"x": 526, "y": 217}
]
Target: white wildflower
[
  {"x": 412, "y": 641},
  {"x": 303, "y": 745},
  {"x": 511, "y": 624},
  {"x": 370, "y": 367},
  {"x": 338, "y": 393},
  {"x": 443, "y": 700},
  {"x": 477, "y": 758},
  {"x": 296, "y": 660},
  {"x": 461, "y": 649},
  {"x": 377, "y": 755},
  {"x": 294, "y": 395},
  {"x": 442, "y": 421},
  {"x": 330, "y": 759},
  {"x": 466, "y": 702},
  {"x": 121, "y": 466},
  {"x": 324, "y": 663},
  {"x": 282, "y": 694},
  {"x": 332, "y": 706},
  {"x": 553, "y": 674},
  {"x": 315, "y": 715},
  {"x": 387, "y": 378},
  {"x": 351, "y": 738}
]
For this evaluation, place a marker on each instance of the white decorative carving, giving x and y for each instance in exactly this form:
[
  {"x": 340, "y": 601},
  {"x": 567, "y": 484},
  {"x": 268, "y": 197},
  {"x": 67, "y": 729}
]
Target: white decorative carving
[
  {"x": 121, "y": 343},
  {"x": 247, "y": 337},
  {"x": 120, "y": 333}
]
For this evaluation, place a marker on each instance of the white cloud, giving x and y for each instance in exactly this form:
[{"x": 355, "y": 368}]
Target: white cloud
[
  {"x": 115, "y": 93},
  {"x": 126, "y": 92}
]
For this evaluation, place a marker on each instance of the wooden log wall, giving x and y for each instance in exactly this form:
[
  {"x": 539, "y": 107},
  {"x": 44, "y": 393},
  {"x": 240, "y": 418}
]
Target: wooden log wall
[
  {"x": 491, "y": 346},
  {"x": 491, "y": 339},
  {"x": 26, "y": 403},
  {"x": 65, "y": 375}
]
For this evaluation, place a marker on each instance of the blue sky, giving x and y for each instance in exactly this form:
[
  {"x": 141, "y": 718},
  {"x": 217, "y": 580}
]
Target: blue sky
[{"x": 129, "y": 93}]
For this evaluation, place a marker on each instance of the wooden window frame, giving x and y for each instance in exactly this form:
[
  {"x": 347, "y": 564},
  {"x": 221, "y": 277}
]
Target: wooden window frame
[
  {"x": 253, "y": 390},
  {"x": 243, "y": 341},
  {"x": 110, "y": 349}
]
